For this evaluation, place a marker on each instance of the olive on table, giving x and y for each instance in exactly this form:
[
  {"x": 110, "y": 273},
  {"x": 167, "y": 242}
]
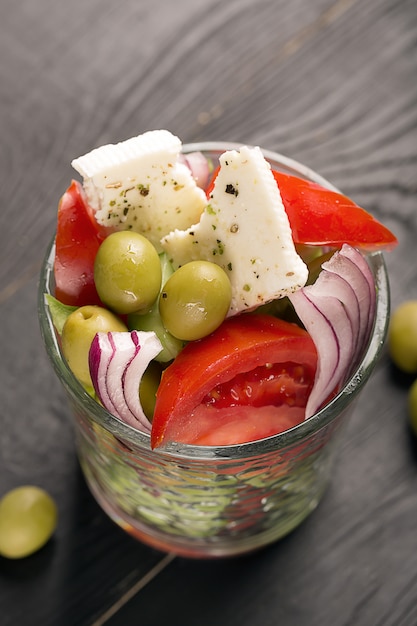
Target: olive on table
[
  {"x": 28, "y": 518},
  {"x": 127, "y": 272},
  {"x": 195, "y": 300},
  {"x": 402, "y": 337},
  {"x": 78, "y": 332}
]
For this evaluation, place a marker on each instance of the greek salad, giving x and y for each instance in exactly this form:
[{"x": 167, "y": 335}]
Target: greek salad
[{"x": 209, "y": 304}]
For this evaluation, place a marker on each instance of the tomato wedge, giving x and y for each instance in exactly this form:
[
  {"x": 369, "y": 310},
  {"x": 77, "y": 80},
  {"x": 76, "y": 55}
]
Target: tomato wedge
[
  {"x": 249, "y": 379},
  {"x": 319, "y": 216},
  {"x": 76, "y": 245}
]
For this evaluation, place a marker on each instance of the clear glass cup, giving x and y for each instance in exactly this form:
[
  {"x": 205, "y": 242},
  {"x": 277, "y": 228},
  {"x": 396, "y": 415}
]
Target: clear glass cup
[{"x": 199, "y": 501}]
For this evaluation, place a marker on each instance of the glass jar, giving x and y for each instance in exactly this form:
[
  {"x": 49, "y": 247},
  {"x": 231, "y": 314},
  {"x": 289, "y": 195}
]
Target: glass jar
[{"x": 199, "y": 501}]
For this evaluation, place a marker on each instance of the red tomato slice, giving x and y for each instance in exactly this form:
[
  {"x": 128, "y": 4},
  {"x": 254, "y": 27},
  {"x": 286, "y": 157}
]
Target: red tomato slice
[
  {"x": 274, "y": 383},
  {"x": 321, "y": 217},
  {"x": 240, "y": 424},
  {"x": 77, "y": 242},
  {"x": 249, "y": 379}
]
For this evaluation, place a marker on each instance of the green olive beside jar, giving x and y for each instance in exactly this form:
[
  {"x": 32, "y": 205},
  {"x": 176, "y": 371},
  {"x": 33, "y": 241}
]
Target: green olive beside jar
[
  {"x": 402, "y": 337},
  {"x": 28, "y": 518}
]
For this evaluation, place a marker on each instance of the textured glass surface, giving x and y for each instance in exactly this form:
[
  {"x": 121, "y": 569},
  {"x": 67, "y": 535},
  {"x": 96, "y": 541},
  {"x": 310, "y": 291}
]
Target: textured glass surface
[{"x": 211, "y": 501}]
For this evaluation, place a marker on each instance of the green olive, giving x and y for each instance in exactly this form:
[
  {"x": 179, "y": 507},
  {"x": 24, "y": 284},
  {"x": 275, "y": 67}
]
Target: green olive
[
  {"x": 127, "y": 272},
  {"x": 412, "y": 406},
  {"x": 195, "y": 299},
  {"x": 28, "y": 518},
  {"x": 78, "y": 332},
  {"x": 402, "y": 337},
  {"x": 148, "y": 386}
]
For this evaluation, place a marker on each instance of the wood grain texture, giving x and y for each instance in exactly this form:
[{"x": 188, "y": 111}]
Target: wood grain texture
[{"x": 331, "y": 83}]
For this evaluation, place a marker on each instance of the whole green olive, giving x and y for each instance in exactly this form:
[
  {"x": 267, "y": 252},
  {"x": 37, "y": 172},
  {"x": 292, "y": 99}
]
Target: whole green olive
[
  {"x": 78, "y": 332},
  {"x": 195, "y": 299},
  {"x": 28, "y": 518},
  {"x": 402, "y": 337},
  {"x": 127, "y": 272}
]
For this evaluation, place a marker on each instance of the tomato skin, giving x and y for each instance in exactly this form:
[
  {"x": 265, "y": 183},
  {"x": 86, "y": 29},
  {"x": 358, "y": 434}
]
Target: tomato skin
[
  {"x": 76, "y": 245},
  {"x": 319, "y": 216},
  {"x": 239, "y": 345}
]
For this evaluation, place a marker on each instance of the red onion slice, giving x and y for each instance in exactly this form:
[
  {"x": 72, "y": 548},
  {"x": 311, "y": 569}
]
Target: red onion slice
[
  {"x": 345, "y": 268},
  {"x": 337, "y": 311},
  {"x": 199, "y": 167},
  {"x": 326, "y": 320},
  {"x": 117, "y": 362},
  {"x": 356, "y": 257}
]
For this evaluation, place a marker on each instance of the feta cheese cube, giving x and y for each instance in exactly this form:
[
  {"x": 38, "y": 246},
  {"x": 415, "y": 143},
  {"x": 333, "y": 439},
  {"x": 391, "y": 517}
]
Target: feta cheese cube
[
  {"x": 140, "y": 184},
  {"x": 244, "y": 229}
]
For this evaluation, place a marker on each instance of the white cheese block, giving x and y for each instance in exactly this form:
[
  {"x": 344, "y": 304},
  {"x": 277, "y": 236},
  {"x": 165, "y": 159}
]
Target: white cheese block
[
  {"x": 140, "y": 184},
  {"x": 246, "y": 231}
]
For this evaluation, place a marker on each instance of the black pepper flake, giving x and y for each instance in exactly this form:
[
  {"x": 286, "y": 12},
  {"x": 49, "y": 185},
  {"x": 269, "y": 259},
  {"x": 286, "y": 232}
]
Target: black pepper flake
[
  {"x": 143, "y": 189},
  {"x": 164, "y": 295},
  {"x": 231, "y": 189}
]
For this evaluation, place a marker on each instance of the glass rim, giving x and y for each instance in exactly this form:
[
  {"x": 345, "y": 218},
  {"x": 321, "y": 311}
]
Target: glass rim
[{"x": 129, "y": 435}]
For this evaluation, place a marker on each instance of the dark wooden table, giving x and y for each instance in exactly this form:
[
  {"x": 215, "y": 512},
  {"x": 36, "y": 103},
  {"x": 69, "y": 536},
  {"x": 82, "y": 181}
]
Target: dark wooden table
[{"x": 331, "y": 83}]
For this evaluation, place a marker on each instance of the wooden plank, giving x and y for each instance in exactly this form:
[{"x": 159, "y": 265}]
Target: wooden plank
[{"x": 332, "y": 83}]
